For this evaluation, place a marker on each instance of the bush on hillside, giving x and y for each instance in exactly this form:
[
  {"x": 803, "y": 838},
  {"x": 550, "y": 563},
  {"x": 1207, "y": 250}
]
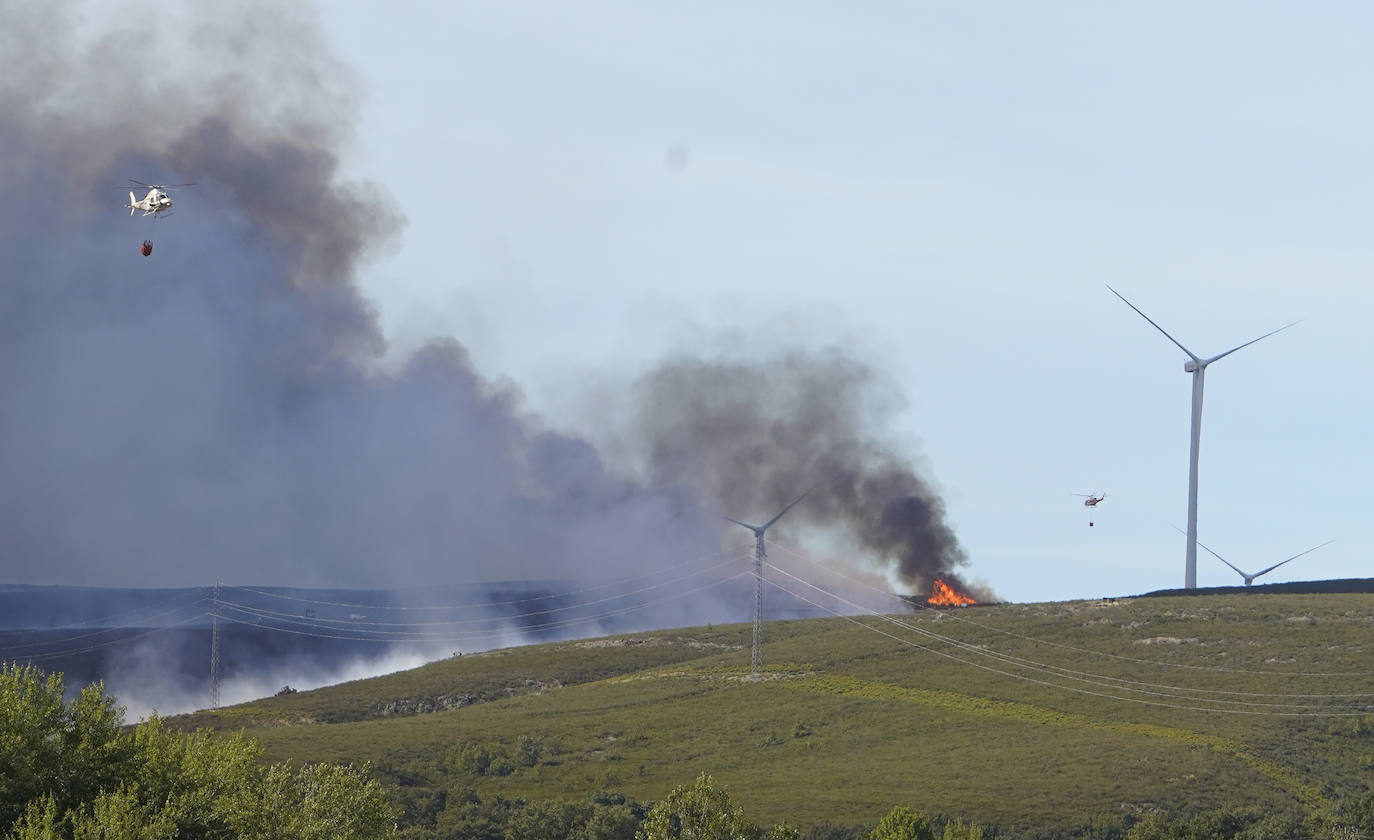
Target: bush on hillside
[{"x": 71, "y": 770}]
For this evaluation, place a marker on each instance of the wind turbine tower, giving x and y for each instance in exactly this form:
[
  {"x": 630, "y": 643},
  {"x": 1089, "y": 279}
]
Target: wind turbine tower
[
  {"x": 760, "y": 552},
  {"x": 1197, "y": 366}
]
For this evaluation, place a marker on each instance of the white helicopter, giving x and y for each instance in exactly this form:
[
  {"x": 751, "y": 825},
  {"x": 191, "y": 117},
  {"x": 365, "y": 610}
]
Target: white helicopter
[
  {"x": 156, "y": 202},
  {"x": 1090, "y": 500}
]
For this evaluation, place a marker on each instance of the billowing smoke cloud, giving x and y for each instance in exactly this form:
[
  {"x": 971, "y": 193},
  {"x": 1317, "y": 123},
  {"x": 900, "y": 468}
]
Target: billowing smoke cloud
[
  {"x": 755, "y": 434},
  {"x": 218, "y": 410}
]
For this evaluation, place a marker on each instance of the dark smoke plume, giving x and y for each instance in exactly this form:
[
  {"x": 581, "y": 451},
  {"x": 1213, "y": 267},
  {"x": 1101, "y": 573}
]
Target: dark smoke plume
[
  {"x": 755, "y": 434},
  {"x": 219, "y": 410}
]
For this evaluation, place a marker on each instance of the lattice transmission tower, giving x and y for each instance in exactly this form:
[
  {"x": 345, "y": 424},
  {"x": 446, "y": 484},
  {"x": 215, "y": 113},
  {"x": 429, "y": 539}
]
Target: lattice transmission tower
[
  {"x": 214, "y": 648},
  {"x": 760, "y": 552}
]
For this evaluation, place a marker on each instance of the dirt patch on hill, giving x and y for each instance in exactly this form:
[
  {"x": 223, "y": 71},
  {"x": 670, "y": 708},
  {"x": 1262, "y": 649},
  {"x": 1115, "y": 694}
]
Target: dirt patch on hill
[
  {"x": 655, "y": 641},
  {"x": 1167, "y": 640}
]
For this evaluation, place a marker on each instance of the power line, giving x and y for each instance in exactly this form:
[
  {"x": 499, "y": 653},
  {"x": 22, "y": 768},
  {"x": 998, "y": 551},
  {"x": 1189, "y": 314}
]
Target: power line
[
  {"x": 106, "y": 630},
  {"x": 501, "y": 630},
  {"x": 1031, "y": 679},
  {"x": 101, "y": 645},
  {"x": 365, "y": 626},
  {"x": 983, "y": 651},
  {"x": 1104, "y": 681},
  {"x": 483, "y": 604},
  {"x": 963, "y": 618}
]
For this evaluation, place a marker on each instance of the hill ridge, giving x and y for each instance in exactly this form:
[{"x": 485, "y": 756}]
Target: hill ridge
[{"x": 851, "y": 717}]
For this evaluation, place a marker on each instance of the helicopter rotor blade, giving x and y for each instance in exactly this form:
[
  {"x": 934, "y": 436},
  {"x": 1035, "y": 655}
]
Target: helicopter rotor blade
[{"x": 160, "y": 186}]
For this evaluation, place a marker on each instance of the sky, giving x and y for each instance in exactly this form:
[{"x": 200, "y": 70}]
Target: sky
[
  {"x": 947, "y": 188},
  {"x": 573, "y": 196}
]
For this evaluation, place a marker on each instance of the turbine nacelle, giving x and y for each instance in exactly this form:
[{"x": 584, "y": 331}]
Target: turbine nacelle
[
  {"x": 761, "y": 551},
  {"x": 1196, "y": 365}
]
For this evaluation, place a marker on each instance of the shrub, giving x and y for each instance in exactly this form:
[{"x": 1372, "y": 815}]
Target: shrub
[
  {"x": 70, "y": 770},
  {"x": 481, "y": 760},
  {"x": 902, "y": 823},
  {"x": 529, "y": 751}
]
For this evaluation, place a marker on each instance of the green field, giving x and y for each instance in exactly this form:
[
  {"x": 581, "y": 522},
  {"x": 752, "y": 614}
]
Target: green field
[{"x": 1035, "y": 718}]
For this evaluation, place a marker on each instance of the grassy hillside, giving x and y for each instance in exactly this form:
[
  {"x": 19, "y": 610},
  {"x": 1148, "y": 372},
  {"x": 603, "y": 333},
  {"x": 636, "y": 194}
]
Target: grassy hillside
[{"x": 1030, "y": 717}]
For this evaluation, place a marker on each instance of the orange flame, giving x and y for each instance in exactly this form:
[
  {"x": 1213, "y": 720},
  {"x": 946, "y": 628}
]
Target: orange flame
[{"x": 944, "y": 595}]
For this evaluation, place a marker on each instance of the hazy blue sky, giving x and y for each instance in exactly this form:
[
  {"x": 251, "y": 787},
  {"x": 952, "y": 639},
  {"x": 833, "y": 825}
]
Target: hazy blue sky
[{"x": 945, "y": 187}]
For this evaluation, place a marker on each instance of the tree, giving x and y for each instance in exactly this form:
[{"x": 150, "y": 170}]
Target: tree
[
  {"x": 830, "y": 831},
  {"x": 704, "y": 811},
  {"x": 318, "y": 802},
  {"x": 902, "y": 823},
  {"x": 467, "y": 816},
  {"x": 1239, "y": 822},
  {"x": 549, "y": 820},
  {"x": 67, "y": 752},
  {"x": 480, "y": 760},
  {"x": 40, "y": 821},
  {"x": 69, "y": 772},
  {"x": 1152, "y": 826},
  {"x": 956, "y": 830},
  {"x": 529, "y": 750},
  {"x": 612, "y": 822}
]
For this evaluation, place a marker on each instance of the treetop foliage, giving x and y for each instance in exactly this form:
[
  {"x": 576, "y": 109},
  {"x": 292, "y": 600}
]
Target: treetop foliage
[{"x": 72, "y": 771}]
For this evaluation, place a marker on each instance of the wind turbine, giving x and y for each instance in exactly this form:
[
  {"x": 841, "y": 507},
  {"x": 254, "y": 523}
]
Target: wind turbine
[
  {"x": 756, "y": 656},
  {"x": 1197, "y": 366},
  {"x": 1249, "y": 578}
]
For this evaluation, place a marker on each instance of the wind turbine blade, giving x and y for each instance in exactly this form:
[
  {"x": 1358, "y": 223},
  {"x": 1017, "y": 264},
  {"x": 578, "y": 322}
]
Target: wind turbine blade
[
  {"x": 737, "y": 522},
  {"x": 1227, "y": 562},
  {"x": 1270, "y": 569},
  {"x": 1213, "y": 553},
  {"x": 765, "y": 526},
  {"x": 1252, "y": 341},
  {"x": 1190, "y": 353},
  {"x": 1294, "y": 557}
]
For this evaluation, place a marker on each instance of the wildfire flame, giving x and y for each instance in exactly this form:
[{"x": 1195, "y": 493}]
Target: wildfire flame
[{"x": 944, "y": 595}]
